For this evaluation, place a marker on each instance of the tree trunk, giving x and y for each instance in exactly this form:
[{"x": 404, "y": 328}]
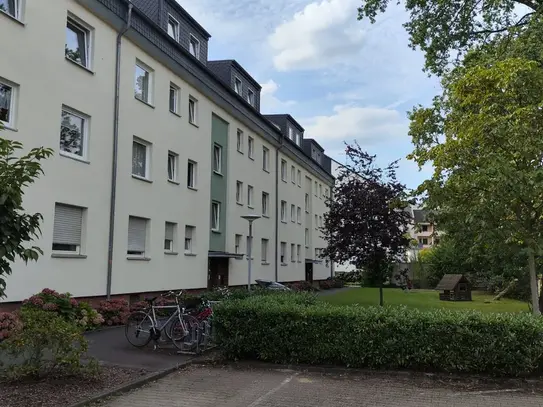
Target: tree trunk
[
  {"x": 509, "y": 287},
  {"x": 533, "y": 283}
]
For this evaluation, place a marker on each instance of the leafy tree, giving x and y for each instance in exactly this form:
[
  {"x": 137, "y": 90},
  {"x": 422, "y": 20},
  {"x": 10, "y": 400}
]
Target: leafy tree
[
  {"x": 443, "y": 29},
  {"x": 17, "y": 227},
  {"x": 367, "y": 220},
  {"x": 483, "y": 138}
]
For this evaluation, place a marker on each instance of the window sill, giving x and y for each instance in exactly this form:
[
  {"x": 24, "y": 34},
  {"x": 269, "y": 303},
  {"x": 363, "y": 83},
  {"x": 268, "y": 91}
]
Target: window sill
[
  {"x": 251, "y": 158},
  {"x": 284, "y": 264},
  {"x": 11, "y": 17},
  {"x": 284, "y": 180},
  {"x": 192, "y": 188},
  {"x": 266, "y": 216},
  {"x": 73, "y": 157},
  {"x": 284, "y": 221},
  {"x": 171, "y": 253},
  {"x": 142, "y": 179},
  {"x": 299, "y": 261},
  {"x": 144, "y": 102},
  {"x": 265, "y": 263},
  {"x": 175, "y": 113},
  {"x": 174, "y": 182},
  {"x": 217, "y": 173},
  {"x": 79, "y": 65},
  {"x": 265, "y": 170},
  {"x": 239, "y": 203},
  {"x": 138, "y": 258},
  {"x": 195, "y": 125},
  {"x": 241, "y": 152},
  {"x": 216, "y": 231},
  {"x": 68, "y": 256},
  {"x": 7, "y": 126},
  {"x": 250, "y": 206},
  {"x": 190, "y": 254}
]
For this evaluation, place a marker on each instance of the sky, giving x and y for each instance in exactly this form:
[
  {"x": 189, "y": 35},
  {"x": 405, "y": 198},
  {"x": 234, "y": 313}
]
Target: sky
[{"x": 340, "y": 78}]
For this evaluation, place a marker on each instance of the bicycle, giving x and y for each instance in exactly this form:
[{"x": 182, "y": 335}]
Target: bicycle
[{"x": 180, "y": 328}]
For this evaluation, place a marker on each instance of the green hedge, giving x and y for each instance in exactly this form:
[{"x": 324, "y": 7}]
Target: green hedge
[{"x": 296, "y": 329}]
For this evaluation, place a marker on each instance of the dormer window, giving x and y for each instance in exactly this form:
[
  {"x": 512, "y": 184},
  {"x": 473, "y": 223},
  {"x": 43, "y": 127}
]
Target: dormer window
[
  {"x": 237, "y": 86},
  {"x": 173, "y": 28},
  {"x": 251, "y": 97},
  {"x": 194, "y": 47}
]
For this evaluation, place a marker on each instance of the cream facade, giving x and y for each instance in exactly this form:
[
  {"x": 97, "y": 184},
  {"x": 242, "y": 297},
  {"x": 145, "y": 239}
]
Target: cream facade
[{"x": 173, "y": 117}]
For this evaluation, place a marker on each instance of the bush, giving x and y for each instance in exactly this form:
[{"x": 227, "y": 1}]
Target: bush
[
  {"x": 47, "y": 344},
  {"x": 66, "y": 307},
  {"x": 302, "y": 286},
  {"x": 285, "y": 329},
  {"x": 9, "y": 325},
  {"x": 114, "y": 312}
]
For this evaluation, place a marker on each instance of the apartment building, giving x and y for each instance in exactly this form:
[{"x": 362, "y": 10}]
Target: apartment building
[
  {"x": 158, "y": 154},
  {"x": 424, "y": 230}
]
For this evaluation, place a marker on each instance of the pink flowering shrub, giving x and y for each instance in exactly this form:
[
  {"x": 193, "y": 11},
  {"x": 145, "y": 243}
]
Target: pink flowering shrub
[
  {"x": 9, "y": 324},
  {"x": 114, "y": 312}
]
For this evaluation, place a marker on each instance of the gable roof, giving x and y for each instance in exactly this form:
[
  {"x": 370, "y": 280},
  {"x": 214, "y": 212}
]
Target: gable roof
[
  {"x": 420, "y": 215},
  {"x": 449, "y": 281}
]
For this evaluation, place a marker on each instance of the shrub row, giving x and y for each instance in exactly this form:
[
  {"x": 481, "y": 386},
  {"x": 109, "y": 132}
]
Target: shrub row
[{"x": 287, "y": 329}]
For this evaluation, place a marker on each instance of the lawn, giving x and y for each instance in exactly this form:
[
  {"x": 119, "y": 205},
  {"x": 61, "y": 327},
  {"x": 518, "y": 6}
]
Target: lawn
[{"x": 422, "y": 299}]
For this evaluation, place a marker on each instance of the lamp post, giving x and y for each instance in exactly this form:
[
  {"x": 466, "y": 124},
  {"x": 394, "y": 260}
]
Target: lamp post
[{"x": 250, "y": 219}]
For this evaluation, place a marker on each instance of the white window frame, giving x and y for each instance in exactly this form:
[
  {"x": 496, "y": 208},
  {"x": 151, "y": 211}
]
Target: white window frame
[
  {"x": 237, "y": 243},
  {"x": 283, "y": 171},
  {"x": 150, "y": 78},
  {"x": 250, "y": 147},
  {"x": 172, "y": 19},
  {"x": 148, "y": 149},
  {"x": 299, "y": 215},
  {"x": 264, "y": 243},
  {"x": 307, "y": 203},
  {"x": 291, "y": 134},
  {"x": 193, "y": 104},
  {"x": 293, "y": 253},
  {"x": 316, "y": 190},
  {"x": 250, "y": 196},
  {"x": 189, "y": 240},
  {"x": 293, "y": 213},
  {"x": 176, "y": 98},
  {"x": 300, "y": 178},
  {"x": 87, "y": 31},
  {"x": 284, "y": 211},
  {"x": 18, "y": 12},
  {"x": 12, "y": 103},
  {"x": 217, "y": 159},
  {"x": 84, "y": 136},
  {"x": 237, "y": 82},
  {"x": 293, "y": 174},
  {"x": 239, "y": 140},
  {"x": 306, "y": 238},
  {"x": 170, "y": 249},
  {"x": 175, "y": 157},
  {"x": 265, "y": 204},
  {"x": 239, "y": 192},
  {"x": 266, "y": 159},
  {"x": 78, "y": 247},
  {"x": 194, "y": 178},
  {"x": 216, "y": 219},
  {"x": 250, "y": 97},
  {"x": 283, "y": 253},
  {"x": 196, "y": 42}
]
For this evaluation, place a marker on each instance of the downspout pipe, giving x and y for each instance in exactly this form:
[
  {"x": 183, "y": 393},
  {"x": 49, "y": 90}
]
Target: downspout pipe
[
  {"x": 277, "y": 203},
  {"x": 113, "y": 196}
]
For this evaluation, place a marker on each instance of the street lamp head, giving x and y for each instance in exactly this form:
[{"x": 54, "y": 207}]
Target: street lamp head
[{"x": 251, "y": 218}]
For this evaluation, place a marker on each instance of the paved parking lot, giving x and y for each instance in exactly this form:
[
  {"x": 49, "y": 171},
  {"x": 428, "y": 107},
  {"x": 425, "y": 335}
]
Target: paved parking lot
[{"x": 229, "y": 387}]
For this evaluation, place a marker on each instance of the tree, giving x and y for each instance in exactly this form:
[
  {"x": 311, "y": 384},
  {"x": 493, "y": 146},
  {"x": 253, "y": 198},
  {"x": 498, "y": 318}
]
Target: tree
[
  {"x": 443, "y": 28},
  {"x": 17, "y": 227},
  {"x": 483, "y": 138},
  {"x": 366, "y": 221}
]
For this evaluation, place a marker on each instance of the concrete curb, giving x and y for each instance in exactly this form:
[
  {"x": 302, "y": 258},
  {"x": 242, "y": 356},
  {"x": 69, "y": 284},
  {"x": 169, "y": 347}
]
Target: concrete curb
[{"x": 126, "y": 387}]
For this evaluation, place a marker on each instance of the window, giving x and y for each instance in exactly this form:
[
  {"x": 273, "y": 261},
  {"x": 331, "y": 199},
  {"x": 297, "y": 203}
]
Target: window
[
  {"x": 7, "y": 103},
  {"x": 423, "y": 241},
  {"x": 292, "y": 213},
  {"x": 316, "y": 221},
  {"x": 425, "y": 228},
  {"x": 299, "y": 178},
  {"x": 73, "y": 133},
  {"x": 174, "y": 98},
  {"x": 320, "y": 191},
  {"x": 307, "y": 203},
  {"x": 283, "y": 170},
  {"x": 251, "y": 147},
  {"x": 11, "y": 7},
  {"x": 215, "y": 216},
  {"x": 264, "y": 251},
  {"x": 299, "y": 215},
  {"x": 293, "y": 253},
  {"x": 265, "y": 159},
  {"x": 239, "y": 192},
  {"x": 172, "y": 166},
  {"x": 250, "y": 196},
  {"x": 217, "y": 159},
  {"x": 291, "y": 133},
  {"x": 169, "y": 236},
  {"x": 189, "y": 239},
  {"x": 265, "y": 203},
  {"x": 237, "y": 244},
  {"x": 237, "y": 86},
  {"x": 194, "y": 47},
  {"x": 140, "y": 158},
  {"x": 326, "y": 192},
  {"x": 283, "y": 211},
  {"x": 283, "y": 252},
  {"x": 293, "y": 174},
  {"x": 320, "y": 221},
  {"x": 317, "y": 252},
  {"x": 193, "y": 110},
  {"x": 67, "y": 228},
  {"x": 137, "y": 236},
  {"x": 142, "y": 86},
  {"x": 173, "y": 28},
  {"x": 299, "y": 139},
  {"x": 191, "y": 174},
  {"x": 251, "y": 97},
  {"x": 239, "y": 141},
  {"x": 299, "y": 253},
  {"x": 316, "y": 190},
  {"x": 77, "y": 47},
  {"x": 306, "y": 237}
]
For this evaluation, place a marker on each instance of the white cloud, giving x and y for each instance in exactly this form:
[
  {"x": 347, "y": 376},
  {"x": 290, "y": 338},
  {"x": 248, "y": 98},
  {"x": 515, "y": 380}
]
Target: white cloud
[
  {"x": 322, "y": 33},
  {"x": 269, "y": 102},
  {"x": 368, "y": 125}
]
